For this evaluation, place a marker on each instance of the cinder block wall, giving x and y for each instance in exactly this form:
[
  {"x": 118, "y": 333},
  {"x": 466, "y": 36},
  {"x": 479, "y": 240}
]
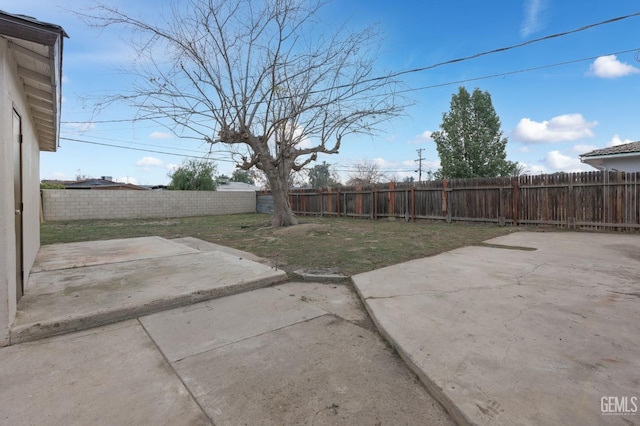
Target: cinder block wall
[{"x": 73, "y": 204}]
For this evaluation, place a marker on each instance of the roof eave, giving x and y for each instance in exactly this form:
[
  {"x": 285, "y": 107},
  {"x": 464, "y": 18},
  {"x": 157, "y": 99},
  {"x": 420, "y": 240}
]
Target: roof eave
[
  {"x": 51, "y": 36},
  {"x": 585, "y": 157}
]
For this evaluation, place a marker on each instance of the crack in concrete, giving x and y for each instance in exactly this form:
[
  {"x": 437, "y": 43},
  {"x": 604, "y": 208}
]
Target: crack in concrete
[
  {"x": 535, "y": 268},
  {"x": 504, "y": 323}
]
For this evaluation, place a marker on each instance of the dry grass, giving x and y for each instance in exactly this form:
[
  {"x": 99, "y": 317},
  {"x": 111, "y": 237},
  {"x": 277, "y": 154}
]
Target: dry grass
[{"x": 348, "y": 245}]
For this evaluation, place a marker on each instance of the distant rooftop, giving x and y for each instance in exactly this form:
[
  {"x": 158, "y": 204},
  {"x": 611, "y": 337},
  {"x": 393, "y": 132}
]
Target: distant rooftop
[{"x": 627, "y": 148}]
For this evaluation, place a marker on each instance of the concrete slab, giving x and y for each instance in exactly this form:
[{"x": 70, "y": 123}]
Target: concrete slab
[
  {"x": 194, "y": 329},
  {"x": 318, "y": 372},
  {"x": 61, "y": 301},
  {"x": 106, "y": 376},
  {"x": 201, "y": 245},
  {"x": 507, "y": 337},
  {"x": 76, "y": 255},
  {"x": 338, "y": 299}
]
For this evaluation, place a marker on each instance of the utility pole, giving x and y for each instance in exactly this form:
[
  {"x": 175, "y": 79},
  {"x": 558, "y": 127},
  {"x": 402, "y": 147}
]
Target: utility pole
[{"x": 419, "y": 150}]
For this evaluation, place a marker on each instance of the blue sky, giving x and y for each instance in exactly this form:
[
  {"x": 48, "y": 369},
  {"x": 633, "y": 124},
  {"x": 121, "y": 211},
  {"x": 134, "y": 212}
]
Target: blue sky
[{"x": 550, "y": 115}]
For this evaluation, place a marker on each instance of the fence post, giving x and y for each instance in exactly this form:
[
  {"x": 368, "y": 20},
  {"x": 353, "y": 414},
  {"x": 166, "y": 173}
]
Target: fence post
[
  {"x": 500, "y": 207},
  {"x": 373, "y": 206},
  {"x": 413, "y": 204},
  {"x": 338, "y": 201},
  {"x": 515, "y": 201},
  {"x": 392, "y": 199},
  {"x": 571, "y": 214},
  {"x": 406, "y": 206},
  {"x": 445, "y": 203},
  {"x": 375, "y": 203}
]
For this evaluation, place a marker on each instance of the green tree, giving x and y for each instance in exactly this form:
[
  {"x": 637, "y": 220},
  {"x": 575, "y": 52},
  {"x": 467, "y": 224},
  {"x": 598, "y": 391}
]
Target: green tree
[
  {"x": 321, "y": 176},
  {"x": 194, "y": 175},
  {"x": 48, "y": 185},
  {"x": 243, "y": 176},
  {"x": 470, "y": 142}
]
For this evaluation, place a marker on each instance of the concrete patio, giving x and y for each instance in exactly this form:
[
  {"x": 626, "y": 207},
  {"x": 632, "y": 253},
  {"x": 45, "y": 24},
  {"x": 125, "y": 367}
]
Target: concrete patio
[
  {"x": 502, "y": 335},
  {"x": 294, "y": 353},
  {"x": 528, "y": 329},
  {"x": 82, "y": 285}
]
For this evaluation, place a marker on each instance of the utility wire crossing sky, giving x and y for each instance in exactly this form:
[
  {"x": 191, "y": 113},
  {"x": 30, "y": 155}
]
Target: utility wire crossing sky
[{"x": 563, "y": 76}]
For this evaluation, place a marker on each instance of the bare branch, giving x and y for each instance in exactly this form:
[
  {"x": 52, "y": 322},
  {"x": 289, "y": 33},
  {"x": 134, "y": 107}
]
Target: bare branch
[{"x": 267, "y": 80}]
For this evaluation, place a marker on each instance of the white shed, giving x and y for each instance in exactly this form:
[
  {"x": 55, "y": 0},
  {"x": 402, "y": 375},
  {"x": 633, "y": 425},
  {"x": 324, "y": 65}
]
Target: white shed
[{"x": 30, "y": 99}]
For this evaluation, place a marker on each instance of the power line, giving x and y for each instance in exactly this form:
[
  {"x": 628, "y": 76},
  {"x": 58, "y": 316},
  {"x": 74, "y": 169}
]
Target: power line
[
  {"x": 433, "y": 86},
  {"x": 143, "y": 150},
  {"x": 154, "y": 146},
  {"x": 504, "y": 49},
  {"x": 504, "y": 74},
  {"x": 436, "y": 65}
]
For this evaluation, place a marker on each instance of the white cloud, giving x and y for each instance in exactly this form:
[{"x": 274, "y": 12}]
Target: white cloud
[
  {"x": 80, "y": 126},
  {"x": 533, "y": 169},
  {"x": 160, "y": 135},
  {"x": 532, "y": 17},
  {"x": 615, "y": 140},
  {"x": 58, "y": 176},
  {"x": 128, "y": 179},
  {"x": 384, "y": 164},
  {"x": 421, "y": 138},
  {"x": 583, "y": 148},
  {"x": 149, "y": 161},
  {"x": 171, "y": 166},
  {"x": 567, "y": 127},
  {"x": 557, "y": 161},
  {"x": 609, "y": 67}
]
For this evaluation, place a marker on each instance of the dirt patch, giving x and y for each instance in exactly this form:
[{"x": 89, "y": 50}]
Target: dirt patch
[{"x": 302, "y": 229}]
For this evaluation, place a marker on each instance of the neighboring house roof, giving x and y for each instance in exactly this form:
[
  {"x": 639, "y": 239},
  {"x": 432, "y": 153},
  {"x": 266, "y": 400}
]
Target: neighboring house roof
[
  {"x": 95, "y": 184},
  {"x": 623, "y": 158},
  {"x": 236, "y": 186},
  {"x": 37, "y": 48},
  {"x": 627, "y": 148}
]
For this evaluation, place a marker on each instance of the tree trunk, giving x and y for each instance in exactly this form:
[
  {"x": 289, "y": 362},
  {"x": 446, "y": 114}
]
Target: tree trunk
[{"x": 283, "y": 215}]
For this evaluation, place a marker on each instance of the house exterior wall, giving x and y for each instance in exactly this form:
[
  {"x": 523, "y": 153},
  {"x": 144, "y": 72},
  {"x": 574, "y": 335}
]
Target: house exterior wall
[
  {"x": 12, "y": 96},
  {"x": 627, "y": 164},
  {"x": 74, "y": 204}
]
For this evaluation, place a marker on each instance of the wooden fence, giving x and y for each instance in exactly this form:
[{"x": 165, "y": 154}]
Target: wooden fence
[{"x": 590, "y": 200}]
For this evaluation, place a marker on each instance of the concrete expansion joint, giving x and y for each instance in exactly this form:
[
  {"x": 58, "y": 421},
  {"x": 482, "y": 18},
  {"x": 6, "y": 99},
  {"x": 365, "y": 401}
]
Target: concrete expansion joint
[{"x": 399, "y": 295}]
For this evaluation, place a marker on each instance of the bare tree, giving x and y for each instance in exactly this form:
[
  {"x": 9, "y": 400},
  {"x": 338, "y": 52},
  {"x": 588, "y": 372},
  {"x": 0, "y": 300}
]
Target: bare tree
[
  {"x": 366, "y": 173},
  {"x": 265, "y": 78}
]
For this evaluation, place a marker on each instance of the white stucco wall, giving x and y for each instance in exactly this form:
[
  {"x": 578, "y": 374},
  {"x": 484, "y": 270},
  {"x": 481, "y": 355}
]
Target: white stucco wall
[
  {"x": 623, "y": 164},
  {"x": 12, "y": 96}
]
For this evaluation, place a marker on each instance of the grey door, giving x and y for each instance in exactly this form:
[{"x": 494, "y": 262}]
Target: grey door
[{"x": 17, "y": 191}]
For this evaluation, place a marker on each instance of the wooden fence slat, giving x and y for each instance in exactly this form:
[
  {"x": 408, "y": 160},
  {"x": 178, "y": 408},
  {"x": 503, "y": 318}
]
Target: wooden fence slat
[{"x": 590, "y": 200}]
